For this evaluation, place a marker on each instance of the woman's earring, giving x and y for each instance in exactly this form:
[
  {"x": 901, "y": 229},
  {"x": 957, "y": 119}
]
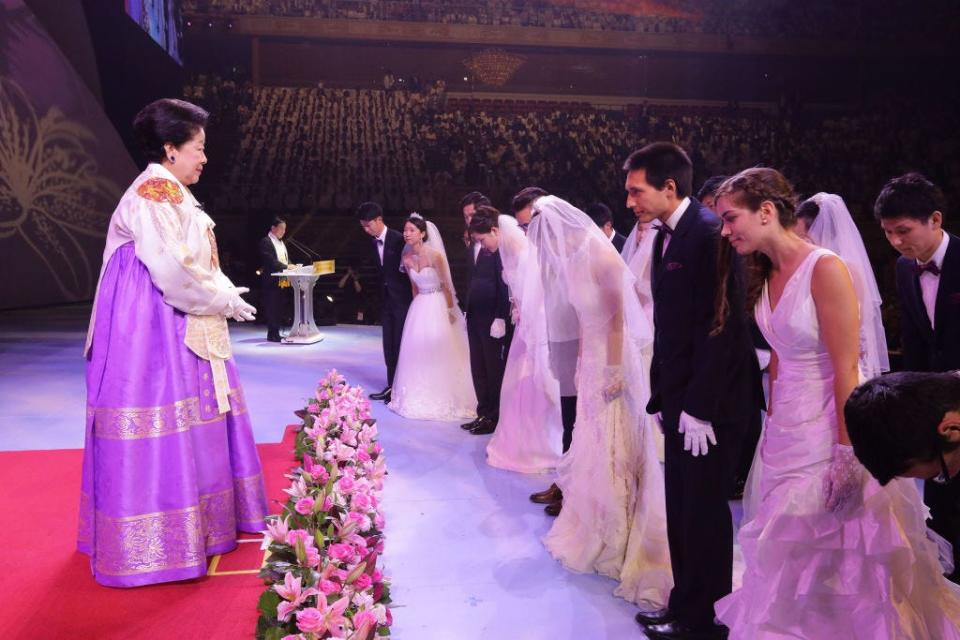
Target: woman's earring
[{"x": 173, "y": 159}]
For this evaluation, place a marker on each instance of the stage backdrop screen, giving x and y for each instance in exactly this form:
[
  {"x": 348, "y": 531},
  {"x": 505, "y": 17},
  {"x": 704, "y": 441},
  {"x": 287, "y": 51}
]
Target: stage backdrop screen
[{"x": 161, "y": 20}]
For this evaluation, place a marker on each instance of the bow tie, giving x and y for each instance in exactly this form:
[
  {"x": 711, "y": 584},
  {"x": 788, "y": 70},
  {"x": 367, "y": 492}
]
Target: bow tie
[
  {"x": 665, "y": 228},
  {"x": 926, "y": 267},
  {"x": 379, "y": 241}
]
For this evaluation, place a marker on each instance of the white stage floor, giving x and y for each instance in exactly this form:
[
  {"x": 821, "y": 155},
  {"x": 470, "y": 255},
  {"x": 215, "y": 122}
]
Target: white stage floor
[{"x": 463, "y": 541}]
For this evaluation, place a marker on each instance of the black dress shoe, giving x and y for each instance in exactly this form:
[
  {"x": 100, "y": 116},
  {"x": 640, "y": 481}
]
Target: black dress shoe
[
  {"x": 676, "y": 630},
  {"x": 484, "y": 427},
  {"x": 554, "y": 508},
  {"x": 549, "y": 496},
  {"x": 383, "y": 395},
  {"x": 469, "y": 426},
  {"x": 274, "y": 339},
  {"x": 654, "y": 617}
]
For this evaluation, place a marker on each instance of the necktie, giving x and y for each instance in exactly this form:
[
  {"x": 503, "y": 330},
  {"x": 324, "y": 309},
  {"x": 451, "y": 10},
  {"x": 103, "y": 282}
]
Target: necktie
[{"x": 926, "y": 267}]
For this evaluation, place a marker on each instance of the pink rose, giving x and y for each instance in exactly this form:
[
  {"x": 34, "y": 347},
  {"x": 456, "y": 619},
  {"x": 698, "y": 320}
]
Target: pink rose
[
  {"x": 363, "y": 582},
  {"x": 313, "y": 407},
  {"x": 313, "y": 557},
  {"x": 327, "y": 503},
  {"x": 360, "y": 502},
  {"x": 305, "y": 506},
  {"x": 347, "y": 484},
  {"x": 340, "y": 551},
  {"x": 310, "y": 620},
  {"x": 328, "y": 587}
]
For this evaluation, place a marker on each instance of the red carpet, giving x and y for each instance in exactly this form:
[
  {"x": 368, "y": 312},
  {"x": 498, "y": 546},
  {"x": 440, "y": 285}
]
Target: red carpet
[{"x": 47, "y": 590}]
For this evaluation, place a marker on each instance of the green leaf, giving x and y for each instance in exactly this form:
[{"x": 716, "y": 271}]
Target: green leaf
[{"x": 268, "y": 604}]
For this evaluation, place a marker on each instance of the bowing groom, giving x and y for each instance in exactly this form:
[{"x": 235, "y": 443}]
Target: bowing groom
[
  {"x": 487, "y": 307},
  {"x": 603, "y": 218},
  {"x": 387, "y": 247},
  {"x": 273, "y": 258},
  {"x": 704, "y": 386},
  {"x": 910, "y": 210}
]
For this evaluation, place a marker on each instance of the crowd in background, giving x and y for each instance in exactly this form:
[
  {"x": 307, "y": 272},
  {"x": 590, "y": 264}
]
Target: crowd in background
[
  {"x": 316, "y": 150},
  {"x": 765, "y": 18}
]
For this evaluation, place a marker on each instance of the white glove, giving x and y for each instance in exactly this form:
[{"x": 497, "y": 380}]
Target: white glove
[
  {"x": 514, "y": 313},
  {"x": 843, "y": 484},
  {"x": 612, "y": 383},
  {"x": 241, "y": 290},
  {"x": 696, "y": 434},
  {"x": 454, "y": 314},
  {"x": 240, "y": 310},
  {"x": 498, "y": 329}
]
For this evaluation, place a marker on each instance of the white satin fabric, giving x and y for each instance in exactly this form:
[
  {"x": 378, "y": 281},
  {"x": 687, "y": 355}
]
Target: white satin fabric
[
  {"x": 868, "y": 574},
  {"x": 529, "y": 434},
  {"x": 433, "y": 380}
]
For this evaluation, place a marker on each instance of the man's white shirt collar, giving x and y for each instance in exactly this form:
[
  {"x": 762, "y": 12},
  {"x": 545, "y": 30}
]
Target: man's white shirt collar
[
  {"x": 674, "y": 218},
  {"x": 612, "y": 235},
  {"x": 940, "y": 253},
  {"x": 383, "y": 235}
]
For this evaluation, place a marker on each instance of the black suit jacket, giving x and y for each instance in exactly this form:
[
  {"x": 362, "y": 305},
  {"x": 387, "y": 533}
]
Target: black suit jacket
[
  {"x": 397, "y": 292},
  {"x": 713, "y": 378},
  {"x": 487, "y": 295},
  {"x": 618, "y": 241},
  {"x": 269, "y": 263},
  {"x": 926, "y": 348}
]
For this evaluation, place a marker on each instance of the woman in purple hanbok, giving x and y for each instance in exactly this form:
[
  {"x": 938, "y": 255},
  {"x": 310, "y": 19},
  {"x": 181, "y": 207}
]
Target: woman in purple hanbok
[{"x": 170, "y": 470}]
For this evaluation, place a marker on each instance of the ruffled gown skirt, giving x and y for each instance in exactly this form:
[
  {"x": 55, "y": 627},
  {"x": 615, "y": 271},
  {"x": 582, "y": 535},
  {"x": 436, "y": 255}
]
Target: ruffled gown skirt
[
  {"x": 167, "y": 480},
  {"x": 870, "y": 574}
]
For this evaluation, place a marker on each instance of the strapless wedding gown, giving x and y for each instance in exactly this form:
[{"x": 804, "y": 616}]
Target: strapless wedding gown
[
  {"x": 433, "y": 380},
  {"x": 870, "y": 574}
]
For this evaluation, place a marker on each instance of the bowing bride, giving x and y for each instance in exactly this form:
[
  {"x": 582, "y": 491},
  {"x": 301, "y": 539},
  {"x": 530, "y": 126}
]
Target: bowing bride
[
  {"x": 613, "y": 520},
  {"x": 433, "y": 380},
  {"x": 529, "y": 432}
]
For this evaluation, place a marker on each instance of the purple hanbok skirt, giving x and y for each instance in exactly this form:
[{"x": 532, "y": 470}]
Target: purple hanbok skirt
[{"x": 167, "y": 481}]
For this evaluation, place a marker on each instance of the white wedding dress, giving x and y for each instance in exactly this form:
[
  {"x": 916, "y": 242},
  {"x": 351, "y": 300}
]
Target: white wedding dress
[
  {"x": 870, "y": 574},
  {"x": 613, "y": 520},
  {"x": 433, "y": 380},
  {"x": 530, "y": 432}
]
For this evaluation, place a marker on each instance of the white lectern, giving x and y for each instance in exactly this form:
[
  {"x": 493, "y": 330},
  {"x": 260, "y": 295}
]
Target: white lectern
[{"x": 302, "y": 280}]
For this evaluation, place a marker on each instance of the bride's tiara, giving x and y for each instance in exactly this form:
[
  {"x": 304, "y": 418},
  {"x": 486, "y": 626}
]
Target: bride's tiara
[{"x": 416, "y": 215}]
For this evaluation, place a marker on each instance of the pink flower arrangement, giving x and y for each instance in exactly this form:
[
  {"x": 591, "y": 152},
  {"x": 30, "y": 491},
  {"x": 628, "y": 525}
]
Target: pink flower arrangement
[{"x": 324, "y": 582}]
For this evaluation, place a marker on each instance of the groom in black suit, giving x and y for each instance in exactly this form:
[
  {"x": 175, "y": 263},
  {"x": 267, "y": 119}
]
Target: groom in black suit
[
  {"x": 488, "y": 308},
  {"x": 910, "y": 210},
  {"x": 705, "y": 384},
  {"x": 273, "y": 258},
  {"x": 387, "y": 247}
]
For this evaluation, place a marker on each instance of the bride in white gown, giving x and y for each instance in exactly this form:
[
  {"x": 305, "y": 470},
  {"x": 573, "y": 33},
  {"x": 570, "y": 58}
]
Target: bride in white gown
[
  {"x": 829, "y": 553},
  {"x": 529, "y": 433},
  {"x": 433, "y": 380},
  {"x": 613, "y": 520}
]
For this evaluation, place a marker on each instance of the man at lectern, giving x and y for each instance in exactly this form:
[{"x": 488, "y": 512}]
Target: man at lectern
[{"x": 273, "y": 258}]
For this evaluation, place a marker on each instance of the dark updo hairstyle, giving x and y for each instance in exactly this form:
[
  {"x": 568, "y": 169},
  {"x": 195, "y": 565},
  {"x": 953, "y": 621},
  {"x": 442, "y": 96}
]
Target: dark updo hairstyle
[
  {"x": 164, "y": 121},
  {"x": 808, "y": 211},
  {"x": 484, "y": 219},
  {"x": 751, "y": 188},
  {"x": 420, "y": 224},
  {"x": 525, "y": 198}
]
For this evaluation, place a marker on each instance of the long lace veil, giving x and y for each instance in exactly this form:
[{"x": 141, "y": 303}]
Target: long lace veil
[{"x": 834, "y": 229}]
